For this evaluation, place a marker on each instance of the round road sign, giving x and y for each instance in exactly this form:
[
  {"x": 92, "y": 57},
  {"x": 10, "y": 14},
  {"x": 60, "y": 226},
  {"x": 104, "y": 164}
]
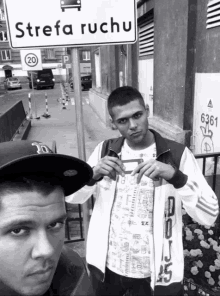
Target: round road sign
[{"x": 31, "y": 60}]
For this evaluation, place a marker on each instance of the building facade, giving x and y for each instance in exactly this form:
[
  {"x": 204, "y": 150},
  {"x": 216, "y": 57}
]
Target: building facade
[{"x": 177, "y": 41}]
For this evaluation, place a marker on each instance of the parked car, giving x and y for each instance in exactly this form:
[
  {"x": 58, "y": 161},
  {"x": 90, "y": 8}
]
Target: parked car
[
  {"x": 41, "y": 79},
  {"x": 12, "y": 83},
  {"x": 70, "y": 4},
  {"x": 86, "y": 82}
]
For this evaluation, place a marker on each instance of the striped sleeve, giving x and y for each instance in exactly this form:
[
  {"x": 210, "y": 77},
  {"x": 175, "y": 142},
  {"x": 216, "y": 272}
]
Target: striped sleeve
[{"x": 198, "y": 198}]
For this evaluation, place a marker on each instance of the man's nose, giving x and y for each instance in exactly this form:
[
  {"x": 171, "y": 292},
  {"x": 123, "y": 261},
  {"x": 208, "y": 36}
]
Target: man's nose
[
  {"x": 43, "y": 246},
  {"x": 132, "y": 124}
]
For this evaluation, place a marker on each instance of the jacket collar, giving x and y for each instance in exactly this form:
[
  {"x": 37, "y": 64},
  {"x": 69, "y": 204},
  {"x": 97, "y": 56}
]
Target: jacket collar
[
  {"x": 67, "y": 276},
  {"x": 161, "y": 143}
]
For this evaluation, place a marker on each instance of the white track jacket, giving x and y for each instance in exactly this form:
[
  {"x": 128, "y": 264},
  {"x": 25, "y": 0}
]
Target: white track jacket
[{"x": 196, "y": 197}]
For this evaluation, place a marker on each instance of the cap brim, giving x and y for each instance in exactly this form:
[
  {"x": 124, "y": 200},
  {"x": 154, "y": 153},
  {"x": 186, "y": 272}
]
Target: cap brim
[{"x": 73, "y": 172}]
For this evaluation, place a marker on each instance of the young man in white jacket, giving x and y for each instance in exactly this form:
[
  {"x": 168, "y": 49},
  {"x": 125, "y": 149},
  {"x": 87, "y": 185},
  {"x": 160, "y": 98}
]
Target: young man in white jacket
[{"x": 141, "y": 181}]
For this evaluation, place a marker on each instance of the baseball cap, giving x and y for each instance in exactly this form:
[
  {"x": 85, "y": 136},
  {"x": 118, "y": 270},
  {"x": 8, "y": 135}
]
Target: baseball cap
[{"x": 30, "y": 157}]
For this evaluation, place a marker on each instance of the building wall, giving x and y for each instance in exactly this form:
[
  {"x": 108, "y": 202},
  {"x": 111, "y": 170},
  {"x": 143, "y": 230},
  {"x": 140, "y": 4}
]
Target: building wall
[
  {"x": 174, "y": 44},
  {"x": 206, "y": 127},
  {"x": 173, "y": 66},
  {"x": 108, "y": 79},
  {"x": 207, "y": 43},
  {"x": 118, "y": 66}
]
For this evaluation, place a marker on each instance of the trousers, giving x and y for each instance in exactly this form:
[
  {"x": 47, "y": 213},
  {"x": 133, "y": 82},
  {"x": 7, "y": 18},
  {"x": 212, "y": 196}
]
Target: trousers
[{"x": 118, "y": 285}]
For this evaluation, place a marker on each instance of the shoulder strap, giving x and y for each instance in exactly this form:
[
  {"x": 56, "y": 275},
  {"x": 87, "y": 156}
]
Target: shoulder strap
[
  {"x": 105, "y": 147},
  {"x": 115, "y": 144}
]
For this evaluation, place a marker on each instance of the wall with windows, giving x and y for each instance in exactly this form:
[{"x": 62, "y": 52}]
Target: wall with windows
[
  {"x": 208, "y": 37},
  {"x": 146, "y": 52},
  {"x": 85, "y": 61},
  {"x": 166, "y": 48}
]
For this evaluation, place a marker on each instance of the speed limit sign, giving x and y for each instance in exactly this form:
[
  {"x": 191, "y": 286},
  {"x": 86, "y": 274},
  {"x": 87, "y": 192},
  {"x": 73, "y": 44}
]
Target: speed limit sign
[{"x": 31, "y": 59}]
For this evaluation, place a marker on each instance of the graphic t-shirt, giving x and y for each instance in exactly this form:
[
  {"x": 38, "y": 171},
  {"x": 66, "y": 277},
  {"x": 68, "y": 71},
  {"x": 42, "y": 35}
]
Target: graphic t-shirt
[{"x": 131, "y": 227}]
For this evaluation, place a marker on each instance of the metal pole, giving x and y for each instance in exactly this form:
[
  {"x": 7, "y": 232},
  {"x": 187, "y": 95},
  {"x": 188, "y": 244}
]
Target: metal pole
[
  {"x": 79, "y": 124},
  {"x": 35, "y": 104},
  {"x": 29, "y": 105}
]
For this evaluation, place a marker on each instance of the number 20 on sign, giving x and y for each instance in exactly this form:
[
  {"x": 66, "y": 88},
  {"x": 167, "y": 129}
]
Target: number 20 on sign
[{"x": 31, "y": 60}]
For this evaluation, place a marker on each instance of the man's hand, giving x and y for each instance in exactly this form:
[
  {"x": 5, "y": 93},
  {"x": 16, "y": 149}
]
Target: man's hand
[
  {"x": 153, "y": 169},
  {"x": 108, "y": 166}
]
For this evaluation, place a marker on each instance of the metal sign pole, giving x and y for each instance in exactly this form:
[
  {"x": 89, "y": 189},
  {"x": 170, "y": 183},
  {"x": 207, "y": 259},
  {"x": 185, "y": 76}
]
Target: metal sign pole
[
  {"x": 79, "y": 124},
  {"x": 34, "y": 99}
]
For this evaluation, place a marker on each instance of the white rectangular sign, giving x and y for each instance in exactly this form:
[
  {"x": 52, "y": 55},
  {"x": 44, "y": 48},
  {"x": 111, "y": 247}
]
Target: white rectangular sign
[
  {"x": 31, "y": 59},
  {"x": 206, "y": 127},
  {"x": 70, "y": 23}
]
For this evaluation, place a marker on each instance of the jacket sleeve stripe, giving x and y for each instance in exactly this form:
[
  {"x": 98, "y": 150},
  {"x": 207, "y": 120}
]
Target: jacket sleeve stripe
[
  {"x": 209, "y": 203},
  {"x": 212, "y": 208},
  {"x": 191, "y": 187},
  {"x": 207, "y": 212},
  {"x": 195, "y": 184}
]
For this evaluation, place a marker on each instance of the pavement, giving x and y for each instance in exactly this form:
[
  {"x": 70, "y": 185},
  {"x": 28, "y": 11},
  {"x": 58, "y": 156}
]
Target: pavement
[{"x": 61, "y": 126}]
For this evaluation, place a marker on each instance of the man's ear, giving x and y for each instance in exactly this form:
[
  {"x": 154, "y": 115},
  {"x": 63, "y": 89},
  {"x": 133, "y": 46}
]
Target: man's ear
[
  {"x": 113, "y": 126},
  {"x": 147, "y": 108}
]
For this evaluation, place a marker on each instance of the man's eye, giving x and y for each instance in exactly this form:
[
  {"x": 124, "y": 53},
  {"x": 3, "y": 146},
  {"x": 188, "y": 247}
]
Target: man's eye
[
  {"x": 122, "y": 121},
  {"x": 57, "y": 225},
  {"x": 19, "y": 231},
  {"x": 138, "y": 115}
]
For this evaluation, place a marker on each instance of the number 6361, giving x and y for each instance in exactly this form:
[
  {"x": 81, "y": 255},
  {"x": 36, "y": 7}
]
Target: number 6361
[{"x": 209, "y": 119}]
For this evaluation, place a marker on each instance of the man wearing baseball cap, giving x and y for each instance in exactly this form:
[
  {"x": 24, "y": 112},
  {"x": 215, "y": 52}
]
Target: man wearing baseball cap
[{"x": 33, "y": 184}]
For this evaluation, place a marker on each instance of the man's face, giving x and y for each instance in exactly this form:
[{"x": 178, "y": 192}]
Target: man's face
[
  {"x": 32, "y": 231},
  {"x": 132, "y": 122}
]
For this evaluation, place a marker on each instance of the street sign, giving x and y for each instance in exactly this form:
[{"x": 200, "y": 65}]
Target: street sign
[
  {"x": 31, "y": 60},
  {"x": 53, "y": 23},
  {"x": 66, "y": 59},
  {"x": 68, "y": 66}
]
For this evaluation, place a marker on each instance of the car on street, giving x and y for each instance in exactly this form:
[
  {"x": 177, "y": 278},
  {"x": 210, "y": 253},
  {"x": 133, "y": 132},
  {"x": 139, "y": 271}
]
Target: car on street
[
  {"x": 86, "y": 82},
  {"x": 12, "y": 83},
  {"x": 70, "y": 4},
  {"x": 41, "y": 79}
]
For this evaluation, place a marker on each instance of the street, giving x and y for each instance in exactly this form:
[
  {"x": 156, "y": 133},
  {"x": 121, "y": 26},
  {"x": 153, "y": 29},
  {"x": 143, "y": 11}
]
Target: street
[{"x": 61, "y": 126}]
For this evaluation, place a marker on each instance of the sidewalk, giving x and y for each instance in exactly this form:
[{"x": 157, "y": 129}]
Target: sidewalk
[{"x": 61, "y": 127}]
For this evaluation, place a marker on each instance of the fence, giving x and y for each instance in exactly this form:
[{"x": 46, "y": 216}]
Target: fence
[{"x": 210, "y": 166}]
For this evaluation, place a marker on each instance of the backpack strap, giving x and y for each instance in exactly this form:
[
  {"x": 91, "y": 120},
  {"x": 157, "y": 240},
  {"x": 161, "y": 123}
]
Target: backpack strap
[
  {"x": 105, "y": 148},
  {"x": 114, "y": 144}
]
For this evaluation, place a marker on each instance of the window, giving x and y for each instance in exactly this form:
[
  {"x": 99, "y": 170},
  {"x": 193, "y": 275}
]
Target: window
[
  {"x": 86, "y": 55},
  {"x": 98, "y": 68},
  {"x": 6, "y": 54},
  {"x": 50, "y": 53},
  {"x": 3, "y": 36},
  {"x": 213, "y": 14},
  {"x": 2, "y": 15},
  {"x": 146, "y": 38}
]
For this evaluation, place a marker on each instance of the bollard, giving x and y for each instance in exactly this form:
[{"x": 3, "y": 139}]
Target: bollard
[
  {"x": 63, "y": 102},
  {"x": 67, "y": 98},
  {"x": 29, "y": 107},
  {"x": 46, "y": 114},
  {"x": 67, "y": 92}
]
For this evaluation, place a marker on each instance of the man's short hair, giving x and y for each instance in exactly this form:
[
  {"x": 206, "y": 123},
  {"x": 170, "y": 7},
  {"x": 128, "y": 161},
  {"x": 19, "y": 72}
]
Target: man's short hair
[
  {"x": 122, "y": 96},
  {"x": 43, "y": 184}
]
